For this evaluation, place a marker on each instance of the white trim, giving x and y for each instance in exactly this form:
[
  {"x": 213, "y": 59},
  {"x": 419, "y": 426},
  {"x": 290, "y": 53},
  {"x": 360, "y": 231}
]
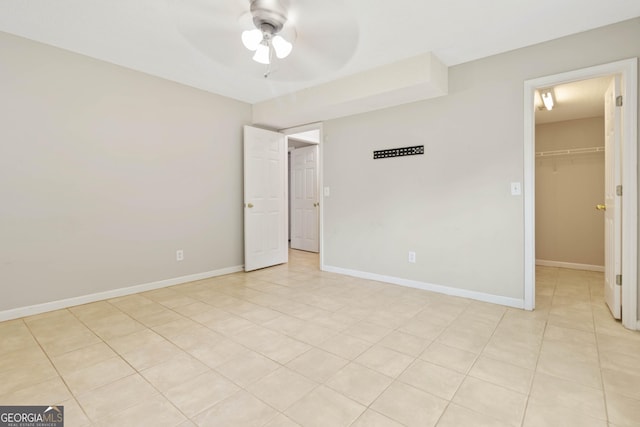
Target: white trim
[
  {"x": 571, "y": 265},
  {"x": 628, "y": 69},
  {"x": 447, "y": 290},
  {"x": 114, "y": 293}
]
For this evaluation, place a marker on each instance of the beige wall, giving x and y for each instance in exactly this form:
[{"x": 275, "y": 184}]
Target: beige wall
[
  {"x": 453, "y": 204},
  {"x": 106, "y": 172},
  {"x": 568, "y": 228}
]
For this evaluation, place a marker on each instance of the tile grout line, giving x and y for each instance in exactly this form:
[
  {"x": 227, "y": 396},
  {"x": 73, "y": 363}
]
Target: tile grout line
[
  {"x": 73, "y": 396},
  {"x": 535, "y": 369}
]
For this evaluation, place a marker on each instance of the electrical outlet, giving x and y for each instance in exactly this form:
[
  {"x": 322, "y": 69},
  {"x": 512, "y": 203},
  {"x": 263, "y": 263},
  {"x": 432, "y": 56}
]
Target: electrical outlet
[
  {"x": 412, "y": 257},
  {"x": 179, "y": 255},
  {"x": 516, "y": 189}
]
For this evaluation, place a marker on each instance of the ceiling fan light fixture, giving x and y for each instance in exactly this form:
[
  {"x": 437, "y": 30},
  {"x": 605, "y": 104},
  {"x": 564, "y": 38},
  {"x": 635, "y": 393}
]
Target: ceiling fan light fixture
[
  {"x": 281, "y": 46},
  {"x": 252, "y": 38},
  {"x": 269, "y": 17},
  {"x": 262, "y": 55}
]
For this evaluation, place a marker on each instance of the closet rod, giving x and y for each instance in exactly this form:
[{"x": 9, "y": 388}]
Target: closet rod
[{"x": 570, "y": 151}]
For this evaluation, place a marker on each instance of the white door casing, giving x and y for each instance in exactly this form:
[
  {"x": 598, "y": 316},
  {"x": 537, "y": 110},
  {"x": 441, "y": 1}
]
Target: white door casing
[
  {"x": 628, "y": 70},
  {"x": 265, "y": 198},
  {"x": 305, "y": 200},
  {"x": 612, "y": 202}
]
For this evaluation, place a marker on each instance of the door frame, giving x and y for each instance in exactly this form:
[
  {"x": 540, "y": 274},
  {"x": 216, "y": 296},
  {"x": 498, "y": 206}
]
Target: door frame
[
  {"x": 628, "y": 70},
  {"x": 305, "y": 128}
]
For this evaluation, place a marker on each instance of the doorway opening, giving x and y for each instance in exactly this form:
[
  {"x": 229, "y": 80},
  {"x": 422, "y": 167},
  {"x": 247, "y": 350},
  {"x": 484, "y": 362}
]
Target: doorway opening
[
  {"x": 625, "y": 261},
  {"x": 305, "y": 208}
]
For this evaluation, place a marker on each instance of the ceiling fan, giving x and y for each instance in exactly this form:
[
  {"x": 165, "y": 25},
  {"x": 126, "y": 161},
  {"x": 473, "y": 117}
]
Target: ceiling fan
[
  {"x": 316, "y": 37},
  {"x": 269, "y": 17}
]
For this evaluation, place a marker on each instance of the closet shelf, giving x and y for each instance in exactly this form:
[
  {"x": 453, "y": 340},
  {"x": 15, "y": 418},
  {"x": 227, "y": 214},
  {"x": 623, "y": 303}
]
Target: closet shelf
[{"x": 570, "y": 152}]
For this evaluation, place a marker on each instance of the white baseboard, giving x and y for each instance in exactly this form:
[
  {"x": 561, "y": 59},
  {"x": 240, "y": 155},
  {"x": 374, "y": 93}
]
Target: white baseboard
[
  {"x": 571, "y": 265},
  {"x": 16, "y": 313},
  {"x": 447, "y": 290}
]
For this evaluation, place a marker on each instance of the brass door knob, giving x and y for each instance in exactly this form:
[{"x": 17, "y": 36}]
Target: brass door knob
[
  {"x": 601, "y": 207},
  {"x": 250, "y": 205},
  {"x": 316, "y": 205}
]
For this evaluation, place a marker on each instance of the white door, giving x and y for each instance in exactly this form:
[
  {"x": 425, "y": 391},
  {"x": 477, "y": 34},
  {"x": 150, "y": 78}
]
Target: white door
[
  {"x": 612, "y": 202},
  {"x": 265, "y": 198},
  {"x": 305, "y": 202}
]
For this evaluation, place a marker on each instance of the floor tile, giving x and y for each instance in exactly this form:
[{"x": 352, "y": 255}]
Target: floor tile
[
  {"x": 464, "y": 340},
  {"x": 549, "y": 390},
  {"x": 359, "y": 383},
  {"x": 214, "y": 350},
  {"x": 317, "y": 365},
  {"x": 131, "y": 342},
  {"x": 72, "y": 361},
  {"x": 585, "y": 373},
  {"x": 458, "y": 416},
  {"x": 410, "y": 345},
  {"x": 491, "y": 400},
  {"x": 384, "y": 360},
  {"x": 247, "y": 368},
  {"x": 151, "y": 355},
  {"x": 368, "y": 331},
  {"x": 624, "y": 383},
  {"x": 53, "y": 390},
  {"x": 439, "y": 381},
  {"x": 281, "y": 420},
  {"x": 156, "y": 411},
  {"x": 282, "y": 388},
  {"x": 622, "y": 410},
  {"x": 240, "y": 409},
  {"x": 410, "y": 406},
  {"x": 449, "y": 357},
  {"x": 219, "y": 353},
  {"x": 503, "y": 374},
  {"x": 73, "y": 413},
  {"x": 174, "y": 371},
  {"x": 325, "y": 407},
  {"x": 116, "y": 396},
  {"x": 345, "y": 346},
  {"x": 371, "y": 418},
  {"x": 540, "y": 414},
  {"x": 29, "y": 375},
  {"x": 200, "y": 393},
  {"x": 97, "y": 375}
]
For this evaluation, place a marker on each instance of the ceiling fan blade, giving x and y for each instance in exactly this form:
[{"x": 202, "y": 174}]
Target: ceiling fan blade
[{"x": 324, "y": 36}]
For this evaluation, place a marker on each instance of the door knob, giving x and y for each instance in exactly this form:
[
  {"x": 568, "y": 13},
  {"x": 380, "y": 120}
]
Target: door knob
[
  {"x": 250, "y": 205},
  {"x": 316, "y": 205},
  {"x": 601, "y": 207}
]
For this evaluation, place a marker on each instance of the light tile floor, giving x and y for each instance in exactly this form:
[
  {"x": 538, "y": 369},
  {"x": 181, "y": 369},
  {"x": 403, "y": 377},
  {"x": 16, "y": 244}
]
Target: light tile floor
[{"x": 291, "y": 345}]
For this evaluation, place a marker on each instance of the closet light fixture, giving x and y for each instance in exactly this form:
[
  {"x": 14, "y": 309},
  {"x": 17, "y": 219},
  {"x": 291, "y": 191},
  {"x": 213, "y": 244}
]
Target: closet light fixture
[{"x": 547, "y": 98}]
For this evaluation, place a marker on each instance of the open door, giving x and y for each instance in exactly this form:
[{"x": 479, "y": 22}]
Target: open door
[
  {"x": 612, "y": 202},
  {"x": 305, "y": 200},
  {"x": 265, "y": 198}
]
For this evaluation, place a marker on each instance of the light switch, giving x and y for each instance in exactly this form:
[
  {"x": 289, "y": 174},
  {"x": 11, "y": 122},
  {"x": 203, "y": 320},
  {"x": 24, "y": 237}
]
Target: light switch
[
  {"x": 516, "y": 189},
  {"x": 327, "y": 192}
]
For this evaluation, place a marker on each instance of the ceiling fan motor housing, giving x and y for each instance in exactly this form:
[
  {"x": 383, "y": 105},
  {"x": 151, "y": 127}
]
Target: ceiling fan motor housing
[{"x": 268, "y": 15}]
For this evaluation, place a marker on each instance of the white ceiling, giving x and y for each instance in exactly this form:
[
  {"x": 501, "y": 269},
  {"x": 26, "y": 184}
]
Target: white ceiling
[
  {"x": 197, "y": 42},
  {"x": 576, "y": 100}
]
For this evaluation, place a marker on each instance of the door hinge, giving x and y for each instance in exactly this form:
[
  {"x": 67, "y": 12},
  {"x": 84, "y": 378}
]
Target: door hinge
[
  {"x": 619, "y": 279},
  {"x": 619, "y": 190},
  {"x": 619, "y": 101}
]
